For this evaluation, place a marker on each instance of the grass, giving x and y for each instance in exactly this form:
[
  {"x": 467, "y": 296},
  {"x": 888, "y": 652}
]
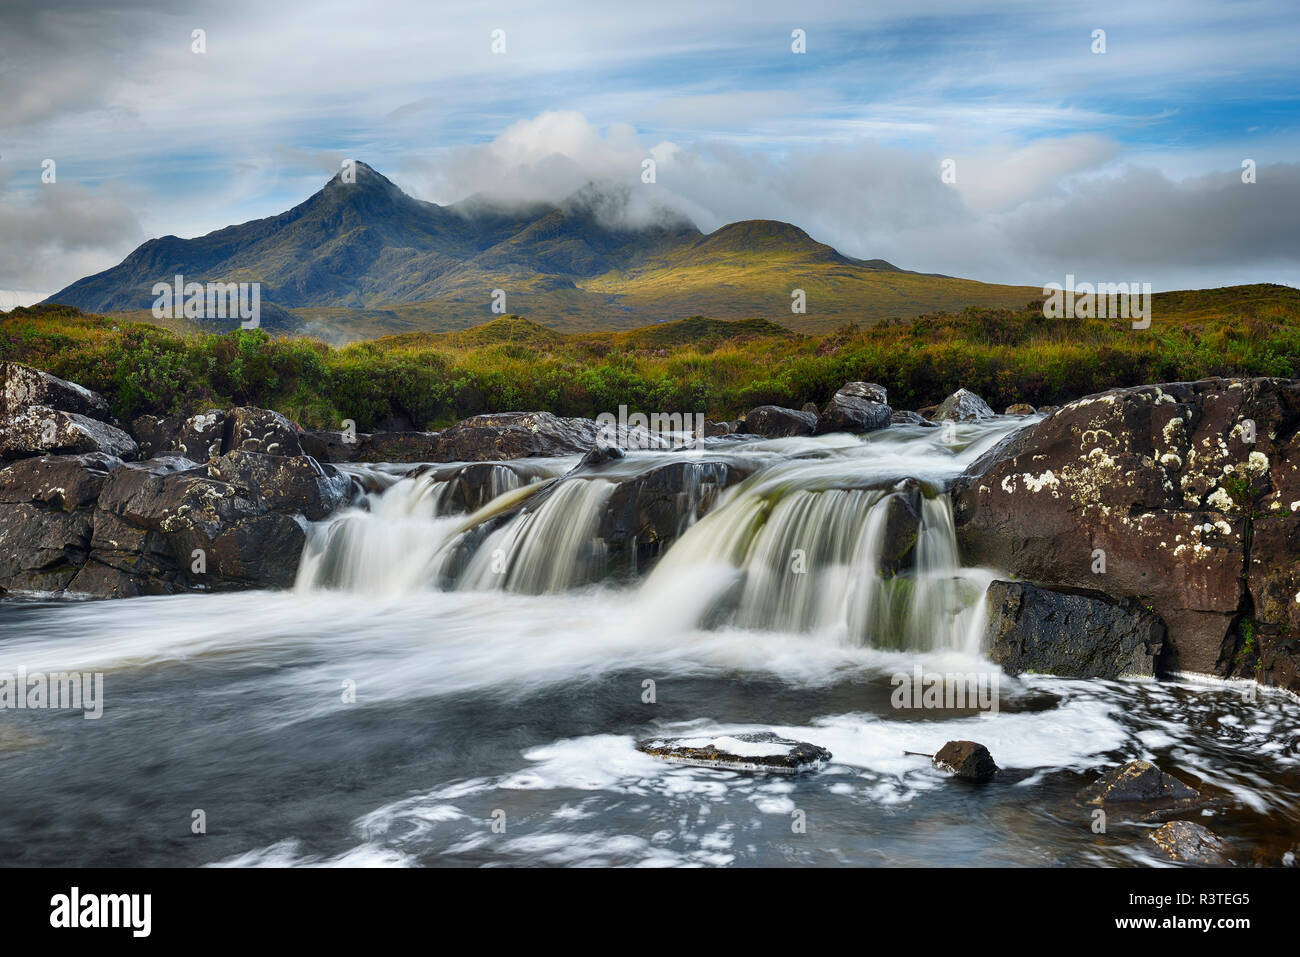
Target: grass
[{"x": 693, "y": 365}]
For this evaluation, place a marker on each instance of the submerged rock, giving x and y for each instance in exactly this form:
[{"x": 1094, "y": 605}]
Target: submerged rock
[
  {"x": 857, "y": 407},
  {"x": 751, "y": 751},
  {"x": 776, "y": 422},
  {"x": 1190, "y": 843},
  {"x": 1137, "y": 781},
  {"x": 968, "y": 760},
  {"x": 1071, "y": 633},
  {"x": 962, "y": 406}
]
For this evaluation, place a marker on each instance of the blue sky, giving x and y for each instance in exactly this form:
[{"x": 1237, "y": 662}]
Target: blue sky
[{"x": 1124, "y": 165}]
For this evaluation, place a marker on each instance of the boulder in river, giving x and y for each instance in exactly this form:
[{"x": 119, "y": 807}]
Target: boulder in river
[
  {"x": 750, "y": 751},
  {"x": 857, "y": 407},
  {"x": 398, "y": 447},
  {"x": 1190, "y": 843},
  {"x": 962, "y": 406},
  {"x": 1137, "y": 782},
  {"x": 968, "y": 760},
  {"x": 1020, "y": 408},
  {"x": 776, "y": 422},
  {"x": 1072, "y": 633},
  {"x": 294, "y": 483},
  {"x": 22, "y": 386},
  {"x": 905, "y": 417},
  {"x": 1185, "y": 496}
]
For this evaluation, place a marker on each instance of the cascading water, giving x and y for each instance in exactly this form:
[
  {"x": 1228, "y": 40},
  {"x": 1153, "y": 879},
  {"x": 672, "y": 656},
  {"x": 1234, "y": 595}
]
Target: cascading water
[{"x": 847, "y": 536}]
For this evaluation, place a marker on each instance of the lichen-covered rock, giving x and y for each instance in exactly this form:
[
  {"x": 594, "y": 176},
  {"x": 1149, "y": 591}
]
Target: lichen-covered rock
[
  {"x": 775, "y": 422},
  {"x": 22, "y": 386},
  {"x": 962, "y": 406},
  {"x": 968, "y": 760},
  {"x": 197, "y": 437},
  {"x": 260, "y": 430},
  {"x": 1137, "y": 782},
  {"x": 1185, "y": 496},
  {"x": 857, "y": 407},
  {"x": 1189, "y": 843},
  {"x": 297, "y": 484},
  {"x": 1070, "y": 633},
  {"x": 751, "y": 751},
  {"x": 38, "y": 430}
]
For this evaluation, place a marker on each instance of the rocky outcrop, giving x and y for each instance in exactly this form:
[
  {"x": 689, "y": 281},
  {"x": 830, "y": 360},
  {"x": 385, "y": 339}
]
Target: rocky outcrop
[
  {"x": 39, "y": 430},
  {"x": 399, "y": 447},
  {"x": 775, "y": 422},
  {"x": 750, "y": 751},
  {"x": 295, "y": 483},
  {"x": 1071, "y": 633},
  {"x": 22, "y": 387},
  {"x": 962, "y": 406},
  {"x": 856, "y": 407},
  {"x": 47, "y": 518},
  {"x": 1190, "y": 843},
  {"x": 260, "y": 430},
  {"x": 1184, "y": 496}
]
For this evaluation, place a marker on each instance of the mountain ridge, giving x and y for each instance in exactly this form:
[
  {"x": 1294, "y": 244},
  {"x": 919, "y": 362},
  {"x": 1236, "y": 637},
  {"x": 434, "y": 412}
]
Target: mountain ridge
[{"x": 404, "y": 264}]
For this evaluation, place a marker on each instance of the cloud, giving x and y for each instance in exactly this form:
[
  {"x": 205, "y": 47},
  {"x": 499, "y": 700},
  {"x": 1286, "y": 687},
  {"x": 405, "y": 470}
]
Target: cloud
[{"x": 62, "y": 232}]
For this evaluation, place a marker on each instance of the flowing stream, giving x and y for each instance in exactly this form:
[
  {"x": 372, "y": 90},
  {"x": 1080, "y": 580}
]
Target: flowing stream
[{"x": 454, "y": 656}]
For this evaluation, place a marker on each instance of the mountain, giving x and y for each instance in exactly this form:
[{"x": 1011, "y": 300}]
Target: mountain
[{"x": 361, "y": 259}]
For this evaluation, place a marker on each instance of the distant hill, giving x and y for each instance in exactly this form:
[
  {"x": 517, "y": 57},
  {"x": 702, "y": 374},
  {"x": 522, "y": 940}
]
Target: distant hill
[{"x": 363, "y": 259}]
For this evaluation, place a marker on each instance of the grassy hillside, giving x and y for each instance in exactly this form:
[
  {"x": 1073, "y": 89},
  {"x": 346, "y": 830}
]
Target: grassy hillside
[{"x": 698, "y": 364}]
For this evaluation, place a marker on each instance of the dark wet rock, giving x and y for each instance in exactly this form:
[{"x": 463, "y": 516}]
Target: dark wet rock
[
  {"x": 327, "y": 445},
  {"x": 399, "y": 447},
  {"x": 197, "y": 437},
  {"x": 1163, "y": 485},
  {"x": 260, "y": 430},
  {"x": 22, "y": 387},
  {"x": 1137, "y": 782},
  {"x": 47, "y": 518},
  {"x": 962, "y": 406},
  {"x": 37, "y": 430},
  {"x": 752, "y": 751},
  {"x": 470, "y": 487},
  {"x": 911, "y": 418},
  {"x": 1189, "y": 843},
  {"x": 775, "y": 422},
  {"x": 647, "y": 513},
  {"x": 857, "y": 407},
  {"x": 968, "y": 760},
  {"x": 297, "y": 484},
  {"x": 1020, "y": 408},
  {"x": 512, "y": 435},
  {"x": 598, "y": 456},
  {"x": 1071, "y": 633},
  {"x": 902, "y": 527}
]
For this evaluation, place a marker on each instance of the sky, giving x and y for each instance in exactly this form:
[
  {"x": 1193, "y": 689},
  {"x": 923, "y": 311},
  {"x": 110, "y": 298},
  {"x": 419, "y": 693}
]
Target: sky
[{"x": 1122, "y": 165}]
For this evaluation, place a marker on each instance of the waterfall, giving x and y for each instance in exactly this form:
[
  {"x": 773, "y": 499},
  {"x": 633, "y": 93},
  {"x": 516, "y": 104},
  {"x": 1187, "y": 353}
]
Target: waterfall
[{"x": 846, "y": 536}]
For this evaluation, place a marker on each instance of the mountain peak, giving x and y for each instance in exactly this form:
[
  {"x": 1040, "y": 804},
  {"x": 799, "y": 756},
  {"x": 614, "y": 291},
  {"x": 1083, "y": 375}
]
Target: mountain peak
[{"x": 361, "y": 175}]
